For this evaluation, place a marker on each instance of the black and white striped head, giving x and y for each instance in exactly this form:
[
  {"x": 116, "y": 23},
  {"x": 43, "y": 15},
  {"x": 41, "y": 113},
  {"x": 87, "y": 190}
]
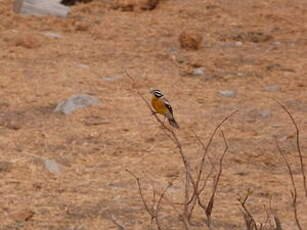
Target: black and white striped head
[{"x": 157, "y": 93}]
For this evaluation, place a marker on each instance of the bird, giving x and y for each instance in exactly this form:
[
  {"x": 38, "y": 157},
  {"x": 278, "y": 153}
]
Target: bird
[{"x": 162, "y": 106}]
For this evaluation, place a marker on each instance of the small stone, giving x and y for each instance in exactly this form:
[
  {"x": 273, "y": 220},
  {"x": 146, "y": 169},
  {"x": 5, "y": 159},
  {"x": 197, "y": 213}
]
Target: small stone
[
  {"x": 5, "y": 166},
  {"x": 238, "y": 43},
  {"x": 111, "y": 78},
  {"x": 172, "y": 51},
  {"x": 115, "y": 186},
  {"x": 132, "y": 5},
  {"x": 52, "y": 166},
  {"x": 76, "y": 102},
  {"x": 28, "y": 40},
  {"x": 83, "y": 66},
  {"x": 14, "y": 125},
  {"x": 51, "y": 34},
  {"x": 265, "y": 113},
  {"x": 94, "y": 121},
  {"x": 276, "y": 43},
  {"x": 227, "y": 93},
  {"x": 198, "y": 71},
  {"x": 256, "y": 115},
  {"x": 82, "y": 26},
  {"x": 173, "y": 188},
  {"x": 190, "y": 40},
  {"x": 181, "y": 59},
  {"x": 73, "y": 2},
  {"x": 272, "y": 88},
  {"x": 23, "y": 215}
]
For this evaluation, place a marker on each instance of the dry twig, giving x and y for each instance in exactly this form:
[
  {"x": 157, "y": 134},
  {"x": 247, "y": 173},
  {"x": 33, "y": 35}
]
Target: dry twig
[
  {"x": 298, "y": 146},
  {"x": 199, "y": 189},
  {"x": 149, "y": 210},
  {"x": 208, "y": 208},
  {"x": 248, "y": 217},
  {"x": 156, "y": 206},
  {"x": 115, "y": 221},
  {"x": 294, "y": 190}
]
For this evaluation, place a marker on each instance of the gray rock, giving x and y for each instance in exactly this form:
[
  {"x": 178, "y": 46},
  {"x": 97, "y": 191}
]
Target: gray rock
[
  {"x": 172, "y": 51},
  {"x": 115, "y": 186},
  {"x": 272, "y": 88},
  {"x": 51, "y": 34},
  {"x": 83, "y": 66},
  {"x": 227, "y": 93},
  {"x": 114, "y": 78},
  {"x": 276, "y": 43},
  {"x": 265, "y": 113},
  {"x": 198, "y": 71},
  {"x": 40, "y": 7},
  {"x": 52, "y": 166},
  {"x": 238, "y": 43},
  {"x": 257, "y": 115},
  {"x": 76, "y": 102}
]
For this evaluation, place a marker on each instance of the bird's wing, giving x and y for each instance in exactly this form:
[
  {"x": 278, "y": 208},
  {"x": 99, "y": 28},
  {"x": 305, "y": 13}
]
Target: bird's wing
[{"x": 168, "y": 105}]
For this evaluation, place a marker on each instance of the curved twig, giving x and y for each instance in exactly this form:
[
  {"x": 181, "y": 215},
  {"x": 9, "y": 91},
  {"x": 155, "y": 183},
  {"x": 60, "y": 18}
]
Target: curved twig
[{"x": 298, "y": 146}]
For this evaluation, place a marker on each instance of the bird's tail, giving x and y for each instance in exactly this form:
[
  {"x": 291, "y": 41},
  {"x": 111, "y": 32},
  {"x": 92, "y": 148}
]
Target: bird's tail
[{"x": 173, "y": 123}]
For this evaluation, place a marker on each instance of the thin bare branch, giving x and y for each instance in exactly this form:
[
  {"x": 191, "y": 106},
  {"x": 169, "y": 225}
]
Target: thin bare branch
[
  {"x": 298, "y": 146},
  {"x": 197, "y": 189},
  {"x": 137, "y": 179},
  {"x": 294, "y": 190},
  {"x": 248, "y": 217},
  {"x": 154, "y": 193},
  {"x": 202, "y": 144},
  {"x": 205, "y": 181},
  {"x": 206, "y": 148},
  {"x": 158, "y": 206},
  {"x": 116, "y": 222},
  {"x": 276, "y": 219},
  {"x": 250, "y": 225},
  {"x": 277, "y": 223},
  {"x": 210, "y": 205}
]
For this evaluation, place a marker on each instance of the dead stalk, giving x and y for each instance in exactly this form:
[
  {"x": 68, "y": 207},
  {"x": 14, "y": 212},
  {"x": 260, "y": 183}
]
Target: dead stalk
[
  {"x": 149, "y": 210},
  {"x": 276, "y": 219},
  {"x": 209, "y": 207},
  {"x": 277, "y": 223},
  {"x": 158, "y": 206},
  {"x": 294, "y": 190},
  {"x": 197, "y": 190},
  {"x": 115, "y": 221},
  {"x": 206, "y": 148},
  {"x": 248, "y": 217},
  {"x": 298, "y": 146}
]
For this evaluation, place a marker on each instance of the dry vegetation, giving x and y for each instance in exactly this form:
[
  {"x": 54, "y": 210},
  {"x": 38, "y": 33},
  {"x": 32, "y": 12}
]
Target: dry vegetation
[{"x": 245, "y": 173}]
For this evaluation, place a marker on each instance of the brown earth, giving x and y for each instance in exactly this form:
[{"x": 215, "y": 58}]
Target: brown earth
[{"x": 257, "y": 48}]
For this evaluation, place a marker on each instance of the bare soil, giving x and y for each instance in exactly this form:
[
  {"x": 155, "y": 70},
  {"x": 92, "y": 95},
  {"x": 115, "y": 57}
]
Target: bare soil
[{"x": 256, "y": 48}]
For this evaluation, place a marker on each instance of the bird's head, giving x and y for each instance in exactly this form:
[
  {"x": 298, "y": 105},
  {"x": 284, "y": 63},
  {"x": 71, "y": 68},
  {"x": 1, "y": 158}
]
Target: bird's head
[{"x": 157, "y": 93}]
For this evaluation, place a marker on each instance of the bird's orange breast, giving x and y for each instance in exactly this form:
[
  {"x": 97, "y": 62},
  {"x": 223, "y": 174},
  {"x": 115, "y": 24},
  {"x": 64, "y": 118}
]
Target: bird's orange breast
[{"x": 158, "y": 105}]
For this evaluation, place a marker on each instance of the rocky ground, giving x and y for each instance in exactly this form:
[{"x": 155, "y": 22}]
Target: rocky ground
[{"x": 69, "y": 171}]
